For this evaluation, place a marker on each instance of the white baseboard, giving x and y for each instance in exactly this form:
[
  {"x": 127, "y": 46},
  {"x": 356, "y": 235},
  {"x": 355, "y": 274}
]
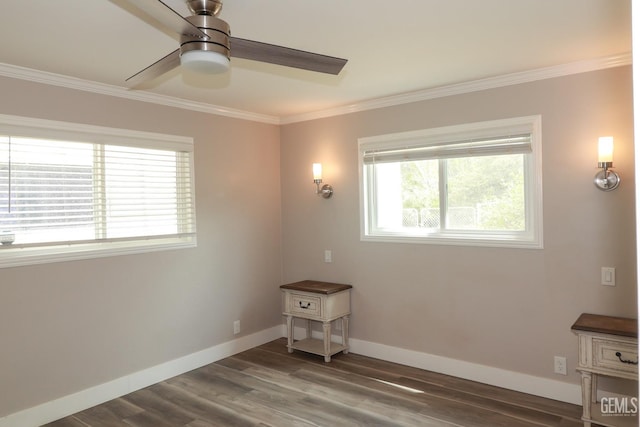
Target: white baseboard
[
  {"x": 543, "y": 387},
  {"x": 70, "y": 404}
]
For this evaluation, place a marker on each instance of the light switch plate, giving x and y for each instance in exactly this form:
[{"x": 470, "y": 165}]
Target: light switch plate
[{"x": 608, "y": 276}]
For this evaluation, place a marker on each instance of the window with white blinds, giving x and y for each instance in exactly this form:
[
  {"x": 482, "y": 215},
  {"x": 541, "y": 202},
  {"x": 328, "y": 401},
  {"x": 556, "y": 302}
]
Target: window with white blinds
[
  {"x": 72, "y": 191},
  {"x": 473, "y": 184}
]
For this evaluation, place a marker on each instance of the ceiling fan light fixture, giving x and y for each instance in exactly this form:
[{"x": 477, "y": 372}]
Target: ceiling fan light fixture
[
  {"x": 210, "y": 55},
  {"x": 205, "y": 61}
]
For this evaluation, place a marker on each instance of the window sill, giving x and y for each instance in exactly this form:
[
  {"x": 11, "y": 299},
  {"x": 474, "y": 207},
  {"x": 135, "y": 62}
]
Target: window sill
[
  {"x": 15, "y": 256},
  {"x": 458, "y": 239}
]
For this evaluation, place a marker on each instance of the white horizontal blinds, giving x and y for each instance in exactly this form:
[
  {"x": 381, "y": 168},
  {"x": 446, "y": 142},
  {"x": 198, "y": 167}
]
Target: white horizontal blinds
[
  {"x": 512, "y": 144},
  {"x": 186, "y": 199},
  {"x": 47, "y": 193},
  {"x": 4, "y": 175},
  {"x": 147, "y": 192},
  {"x": 63, "y": 192}
]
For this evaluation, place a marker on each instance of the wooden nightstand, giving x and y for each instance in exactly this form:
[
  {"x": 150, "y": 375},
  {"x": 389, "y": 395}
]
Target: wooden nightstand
[
  {"x": 607, "y": 346},
  {"x": 317, "y": 301}
]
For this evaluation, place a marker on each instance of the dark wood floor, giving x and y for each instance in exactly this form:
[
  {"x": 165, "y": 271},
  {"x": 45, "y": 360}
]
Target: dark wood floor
[{"x": 266, "y": 386}]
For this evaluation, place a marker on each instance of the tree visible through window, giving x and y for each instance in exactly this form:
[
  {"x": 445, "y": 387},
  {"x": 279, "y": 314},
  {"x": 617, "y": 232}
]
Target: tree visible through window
[{"x": 477, "y": 196}]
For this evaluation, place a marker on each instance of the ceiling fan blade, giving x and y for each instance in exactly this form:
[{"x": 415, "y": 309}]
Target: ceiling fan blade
[
  {"x": 167, "y": 17},
  {"x": 272, "y": 54},
  {"x": 156, "y": 69}
]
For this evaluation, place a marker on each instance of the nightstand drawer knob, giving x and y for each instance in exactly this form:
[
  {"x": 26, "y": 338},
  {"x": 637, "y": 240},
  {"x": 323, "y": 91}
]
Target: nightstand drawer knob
[
  {"x": 309, "y": 305},
  {"x": 630, "y": 362}
]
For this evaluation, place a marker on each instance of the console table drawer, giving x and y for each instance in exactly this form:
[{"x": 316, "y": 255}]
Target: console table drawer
[
  {"x": 612, "y": 354},
  {"x": 305, "y": 304}
]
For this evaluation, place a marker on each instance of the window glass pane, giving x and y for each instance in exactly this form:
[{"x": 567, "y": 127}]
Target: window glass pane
[
  {"x": 486, "y": 193},
  {"x": 49, "y": 193},
  {"x": 388, "y": 195},
  {"x": 420, "y": 195}
]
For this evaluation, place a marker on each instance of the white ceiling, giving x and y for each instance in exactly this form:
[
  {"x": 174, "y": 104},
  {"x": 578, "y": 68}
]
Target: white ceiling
[{"x": 393, "y": 47}]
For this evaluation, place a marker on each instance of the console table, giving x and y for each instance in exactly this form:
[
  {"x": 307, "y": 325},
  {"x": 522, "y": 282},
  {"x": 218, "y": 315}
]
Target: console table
[
  {"x": 317, "y": 301},
  {"x": 607, "y": 346}
]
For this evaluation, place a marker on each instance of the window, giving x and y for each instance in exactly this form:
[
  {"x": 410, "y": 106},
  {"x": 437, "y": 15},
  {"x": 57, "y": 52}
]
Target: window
[
  {"x": 71, "y": 191},
  {"x": 475, "y": 184}
]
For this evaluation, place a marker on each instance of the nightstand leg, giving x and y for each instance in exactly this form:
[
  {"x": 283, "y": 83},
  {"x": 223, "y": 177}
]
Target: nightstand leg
[
  {"x": 290, "y": 325},
  {"x": 586, "y": 397},
  {"x": 308, "y": 328},
  {"x": 345, "y": 334},
  {"x": 326, "y": 329}
]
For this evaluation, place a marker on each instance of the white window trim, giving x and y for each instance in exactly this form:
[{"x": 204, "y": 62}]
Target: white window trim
[
  {"x": 526, "y": 240},
  {"x": 17, "y": 255}
]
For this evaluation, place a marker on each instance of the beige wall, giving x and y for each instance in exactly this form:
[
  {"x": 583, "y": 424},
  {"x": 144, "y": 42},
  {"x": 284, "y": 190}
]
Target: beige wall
[
  {"x": 508, "y": 308},
  {"x": 68, "y": 326}
]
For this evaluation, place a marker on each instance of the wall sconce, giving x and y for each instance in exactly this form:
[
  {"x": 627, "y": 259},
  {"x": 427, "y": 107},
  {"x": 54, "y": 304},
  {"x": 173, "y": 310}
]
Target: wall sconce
[
  {"x": 606, "y": 179},
  {"x": 326, "y": 190}
]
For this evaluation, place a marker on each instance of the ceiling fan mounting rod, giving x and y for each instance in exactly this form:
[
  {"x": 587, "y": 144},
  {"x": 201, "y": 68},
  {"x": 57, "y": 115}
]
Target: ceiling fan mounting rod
[{"x": 205, "y": 7}]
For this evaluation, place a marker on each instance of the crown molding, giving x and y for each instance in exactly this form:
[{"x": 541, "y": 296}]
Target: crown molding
[
  {"x": 32, "y": 75},
  {"x": 23, "y": 73},
  {"x": 468, "y": 87}
]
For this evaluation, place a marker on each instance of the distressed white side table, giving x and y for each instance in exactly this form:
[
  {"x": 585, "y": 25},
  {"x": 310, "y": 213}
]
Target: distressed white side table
[
  {"x": 607, "y": 346},
  {"x": 317, "y": 301}
]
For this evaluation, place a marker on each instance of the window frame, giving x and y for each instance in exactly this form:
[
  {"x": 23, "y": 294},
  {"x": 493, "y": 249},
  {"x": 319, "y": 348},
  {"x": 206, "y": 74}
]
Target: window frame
[
  {"x": 531, "y": 238},
  {"x": 19, "y": 255}
]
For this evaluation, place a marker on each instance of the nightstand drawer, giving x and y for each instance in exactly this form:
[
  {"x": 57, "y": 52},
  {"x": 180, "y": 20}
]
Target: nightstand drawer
[
  {"x": 615, "y": 355},
  {"x": 305, "y": 304}
]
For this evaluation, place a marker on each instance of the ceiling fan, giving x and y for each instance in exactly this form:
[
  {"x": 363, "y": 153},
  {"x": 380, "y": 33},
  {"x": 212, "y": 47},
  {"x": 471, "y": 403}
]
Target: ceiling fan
[{"x": 206, "y": 44}]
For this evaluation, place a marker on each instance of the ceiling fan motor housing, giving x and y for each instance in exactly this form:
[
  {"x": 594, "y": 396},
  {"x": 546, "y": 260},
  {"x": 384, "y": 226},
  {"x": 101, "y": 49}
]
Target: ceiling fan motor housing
[{"x": 217, "y": 30}]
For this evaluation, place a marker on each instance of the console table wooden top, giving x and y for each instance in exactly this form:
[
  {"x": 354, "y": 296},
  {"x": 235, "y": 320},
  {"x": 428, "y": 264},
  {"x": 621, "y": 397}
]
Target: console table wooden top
[
  {"x": 316, "y": 287},
  {"x": 621, "y": 326}
]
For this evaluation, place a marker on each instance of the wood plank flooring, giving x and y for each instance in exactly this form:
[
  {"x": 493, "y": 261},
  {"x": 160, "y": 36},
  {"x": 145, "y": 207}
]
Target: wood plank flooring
[{"x": 266, "y": 386}]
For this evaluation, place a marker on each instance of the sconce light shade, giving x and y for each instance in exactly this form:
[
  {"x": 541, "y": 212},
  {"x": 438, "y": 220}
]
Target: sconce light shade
[
  {"x": 605, "y": 149},
  {"x": 317, "y": 172},
  {"x": 326, "y": 191},
  {"x": 606, "y": 179}
]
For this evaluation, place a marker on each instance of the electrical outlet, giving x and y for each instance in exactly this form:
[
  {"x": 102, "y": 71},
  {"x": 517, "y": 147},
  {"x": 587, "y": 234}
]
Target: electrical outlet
[
  {"x": 328, "y": 256},
  {"x": 560, "y": 365},
  {"x": 236, "y": 327}
]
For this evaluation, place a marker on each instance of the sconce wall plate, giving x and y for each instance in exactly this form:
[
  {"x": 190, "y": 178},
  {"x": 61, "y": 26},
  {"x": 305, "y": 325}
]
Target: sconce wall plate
[
  {"x": 326, "y": 191},
  {"x": 606, "y": 180}
]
